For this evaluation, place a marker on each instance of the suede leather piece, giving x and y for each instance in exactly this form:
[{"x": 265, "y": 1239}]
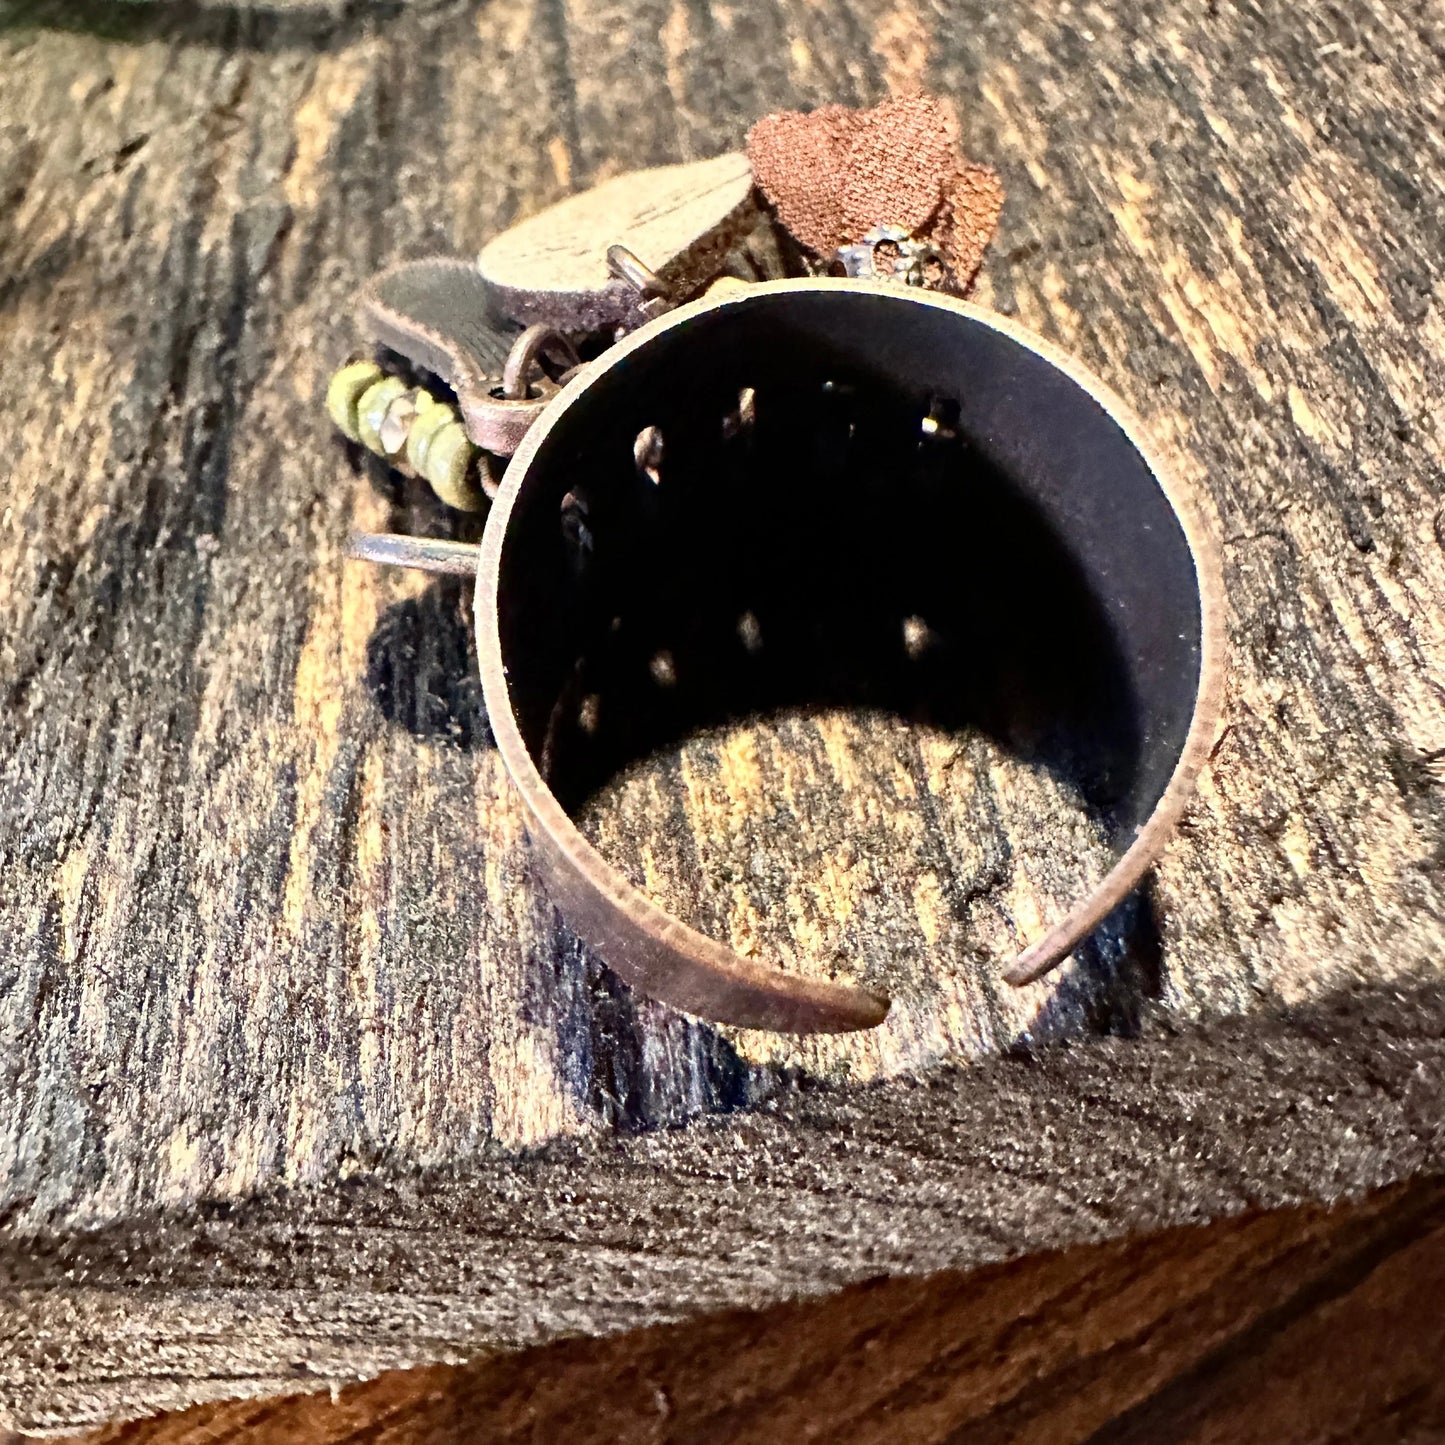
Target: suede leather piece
[{"x": 833, "y": 174}]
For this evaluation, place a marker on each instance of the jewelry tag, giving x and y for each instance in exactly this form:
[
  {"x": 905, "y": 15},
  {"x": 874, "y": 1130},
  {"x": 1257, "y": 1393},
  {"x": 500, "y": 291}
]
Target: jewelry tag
[
  {"x": 438, "y": 315},
  {"x": 679, "y": 221}
]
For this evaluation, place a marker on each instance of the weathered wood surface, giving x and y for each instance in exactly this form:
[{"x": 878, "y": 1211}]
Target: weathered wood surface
[
  {"x": 1296, "y": 1325},
  {"x": 803, "y": 1195},
  {"x": 266, "y": 931}
]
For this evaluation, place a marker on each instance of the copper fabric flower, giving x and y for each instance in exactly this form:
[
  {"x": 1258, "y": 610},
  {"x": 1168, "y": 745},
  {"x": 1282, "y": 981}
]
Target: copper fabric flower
[{"x": 834, "y": 175}]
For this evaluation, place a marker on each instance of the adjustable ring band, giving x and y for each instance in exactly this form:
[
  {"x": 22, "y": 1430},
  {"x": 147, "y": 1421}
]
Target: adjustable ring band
[{"x": 827, "y": 459}]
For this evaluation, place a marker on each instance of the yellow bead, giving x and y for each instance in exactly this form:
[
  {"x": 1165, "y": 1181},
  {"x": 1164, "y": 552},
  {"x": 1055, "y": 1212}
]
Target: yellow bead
[
  {"x": 372, "y": 409},
  {"x": 343, "y": 395},
  {"x": 440, "y": 451}
]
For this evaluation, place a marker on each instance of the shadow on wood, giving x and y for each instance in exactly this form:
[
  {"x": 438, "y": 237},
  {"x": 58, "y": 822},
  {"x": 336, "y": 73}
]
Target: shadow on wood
[{"x": 236, "y": 27}]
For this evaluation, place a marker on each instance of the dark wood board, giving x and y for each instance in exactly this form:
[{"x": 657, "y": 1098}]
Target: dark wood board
[
  {"x": 1297, "y": 1324},
  {"x": 269, "y": 949}
]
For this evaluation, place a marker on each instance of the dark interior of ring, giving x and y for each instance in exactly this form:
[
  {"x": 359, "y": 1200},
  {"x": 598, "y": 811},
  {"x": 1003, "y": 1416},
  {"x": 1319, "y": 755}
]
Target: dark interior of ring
[{"x": 913, "y": 512}]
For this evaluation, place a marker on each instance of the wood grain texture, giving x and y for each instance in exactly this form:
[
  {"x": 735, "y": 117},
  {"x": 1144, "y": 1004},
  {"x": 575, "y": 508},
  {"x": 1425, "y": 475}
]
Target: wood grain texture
[
  {"x": 269, "y": 949},
  {"x": 810, "y": 1191},
  {"x": 1298, "y": 1325}
]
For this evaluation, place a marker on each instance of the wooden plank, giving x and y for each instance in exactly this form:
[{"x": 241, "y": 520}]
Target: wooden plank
[
  {"x": 812, "y": 1190},
  {"x": 268, "y": 936},
  {"x": 1300, "y": 1324}
]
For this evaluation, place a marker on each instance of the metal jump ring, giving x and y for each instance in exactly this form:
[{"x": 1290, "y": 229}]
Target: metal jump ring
[
  {"x": 626, "y": 267},
  {"x": 527, "y": 352}
]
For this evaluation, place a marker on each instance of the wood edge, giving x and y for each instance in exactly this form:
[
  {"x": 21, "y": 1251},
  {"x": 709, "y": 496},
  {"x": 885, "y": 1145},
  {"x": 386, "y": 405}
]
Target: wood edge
[{"x": 1217, "y": 1296}]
